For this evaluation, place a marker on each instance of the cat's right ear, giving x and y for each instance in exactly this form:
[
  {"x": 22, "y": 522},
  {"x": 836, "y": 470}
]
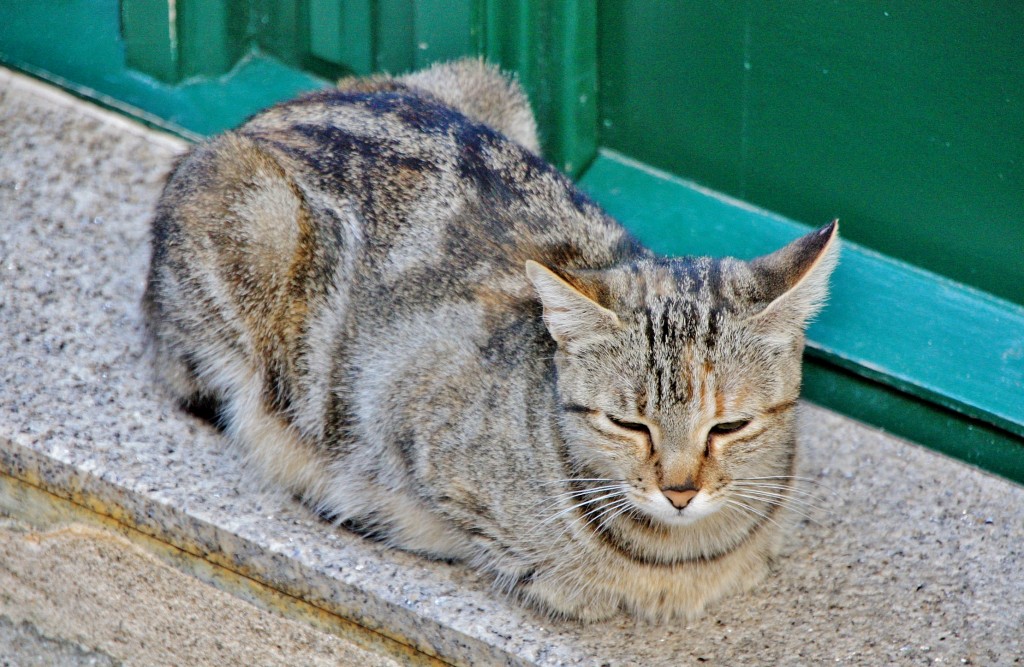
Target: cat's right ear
[
  {"x": 573, "y": 319},
  {"x": 793, "y": 281}
]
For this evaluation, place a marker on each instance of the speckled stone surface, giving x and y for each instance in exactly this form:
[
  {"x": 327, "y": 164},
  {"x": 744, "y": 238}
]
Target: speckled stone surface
[
  {"x": 21, "y": 645},
  {"x": 910, "y": 558}
]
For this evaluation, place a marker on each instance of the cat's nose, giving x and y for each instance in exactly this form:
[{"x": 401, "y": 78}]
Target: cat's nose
[{"x": 680, "y": 496}]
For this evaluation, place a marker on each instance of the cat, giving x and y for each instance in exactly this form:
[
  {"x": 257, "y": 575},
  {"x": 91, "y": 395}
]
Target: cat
[{"x": 407, "y": 318}]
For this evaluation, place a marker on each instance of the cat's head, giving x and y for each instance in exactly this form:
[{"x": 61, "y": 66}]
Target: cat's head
[{"x": 678, "y": 377}]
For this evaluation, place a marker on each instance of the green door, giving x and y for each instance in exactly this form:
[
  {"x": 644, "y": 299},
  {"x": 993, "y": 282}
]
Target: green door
[{"x": 905, "y": 119}]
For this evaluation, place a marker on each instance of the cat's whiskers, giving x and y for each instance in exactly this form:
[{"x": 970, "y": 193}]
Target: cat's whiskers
[
  {"x": 802, "y": 497},
  {"x": 747, "y": 508},
  {"x": 780, "y": 488},
  {"x": 780, "y": 499},
  {"x": 589, "y": 514},
  {"x": 783, "y": 504},
  {"x": 616, "y": 509},
  {"x": 576, "y": 506},
  {"x": 557, "y": 499},
  {"x": 776, "y": 499},
  {"x": 789, "y": 478},
  {"x": 570, "y": 494},
  {"x": 579, "y": 479},
  {"x": 581, "y": 492}
]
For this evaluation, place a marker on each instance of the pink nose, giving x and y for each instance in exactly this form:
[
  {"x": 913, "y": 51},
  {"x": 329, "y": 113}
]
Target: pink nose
[{"x": 680, "y": 499}]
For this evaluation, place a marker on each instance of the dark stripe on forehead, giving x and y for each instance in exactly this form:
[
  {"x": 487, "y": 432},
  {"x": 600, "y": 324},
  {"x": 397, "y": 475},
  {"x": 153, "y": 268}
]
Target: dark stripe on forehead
[
  {"x": 666, "y": 325},
  {"x": 668, "y": 334},
  {"x": 720, "y": 305},
  {"x": 652, "y": 361},
  {"x": 673, "y": 384},
  {"x": 715, "y": 282},
  {"x": 688, "y": 274},
  {"x": 714, "y": 322}
]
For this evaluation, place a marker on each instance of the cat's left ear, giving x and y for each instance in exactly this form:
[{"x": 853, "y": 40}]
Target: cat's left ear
[
  {"x": 573, "y": 318},
  {"x": 793, "y": 281}
]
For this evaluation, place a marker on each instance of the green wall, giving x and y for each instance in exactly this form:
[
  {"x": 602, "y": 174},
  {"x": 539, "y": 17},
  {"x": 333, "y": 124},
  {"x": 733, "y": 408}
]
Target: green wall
[
  {"x": 78, "y": 44},
  {"x": 904, "y": 119}
]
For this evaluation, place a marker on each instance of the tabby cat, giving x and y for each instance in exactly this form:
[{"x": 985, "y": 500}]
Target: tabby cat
[{"x": 411, "y": 321}]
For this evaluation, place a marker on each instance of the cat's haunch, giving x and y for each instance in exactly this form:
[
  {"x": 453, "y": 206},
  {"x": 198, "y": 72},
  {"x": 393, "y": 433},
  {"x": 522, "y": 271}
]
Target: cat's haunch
[{"x": 405, "y": 316}]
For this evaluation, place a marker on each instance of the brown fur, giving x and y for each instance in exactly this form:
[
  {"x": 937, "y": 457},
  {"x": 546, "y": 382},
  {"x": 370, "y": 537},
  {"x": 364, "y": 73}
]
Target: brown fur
[{"x": 406, "y": 317}]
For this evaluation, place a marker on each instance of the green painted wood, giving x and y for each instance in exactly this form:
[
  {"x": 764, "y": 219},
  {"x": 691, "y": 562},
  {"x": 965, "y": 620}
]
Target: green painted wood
[
  {"x": 280, "y": 28},
  {"x": 173, "y": 40},
  {"x": 33, "y": 38},
  {"x": 212, "y": 35},
  {"x": 907, "y": 416},
  {"x": 153, "y": 47},
  {"x": 445, "y": 30},
  {"x": 905, "y": 119},
  {"x": 915, "y": 334},
  {"x": 325, "y": 30},
  {"x": 396, "y": 36},
  {"x": 553, "y": 49},
  {"x": 343, "y": 33}
]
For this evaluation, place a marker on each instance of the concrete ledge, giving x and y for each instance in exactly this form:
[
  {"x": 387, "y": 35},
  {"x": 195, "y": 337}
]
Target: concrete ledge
[
  {"x": 87, "y": 581},
  {"x": 911, "y": 557},
  {"x": 24, "y": 646}
]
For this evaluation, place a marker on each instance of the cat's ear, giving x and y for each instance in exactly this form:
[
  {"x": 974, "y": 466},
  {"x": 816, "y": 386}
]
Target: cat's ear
[
  {"x": 793, "y": 281},
  {"x": 573, "y": 319}
]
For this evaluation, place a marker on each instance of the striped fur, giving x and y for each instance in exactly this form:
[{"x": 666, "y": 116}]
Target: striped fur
[{"x": 407, "y": 318}]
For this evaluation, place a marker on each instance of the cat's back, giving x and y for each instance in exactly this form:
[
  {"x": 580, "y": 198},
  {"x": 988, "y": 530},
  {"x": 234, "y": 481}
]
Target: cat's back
[{"x": 441, "y": 163}]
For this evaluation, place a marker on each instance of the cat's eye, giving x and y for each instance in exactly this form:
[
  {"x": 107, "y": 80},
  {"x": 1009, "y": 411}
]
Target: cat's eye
[
  {"x": 636, "y": 427},
  {"x": 727, "y": 428}
]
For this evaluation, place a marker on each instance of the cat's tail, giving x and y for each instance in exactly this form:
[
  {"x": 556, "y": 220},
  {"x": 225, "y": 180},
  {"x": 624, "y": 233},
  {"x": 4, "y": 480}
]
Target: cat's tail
[{"x": 481, "y": 92}]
